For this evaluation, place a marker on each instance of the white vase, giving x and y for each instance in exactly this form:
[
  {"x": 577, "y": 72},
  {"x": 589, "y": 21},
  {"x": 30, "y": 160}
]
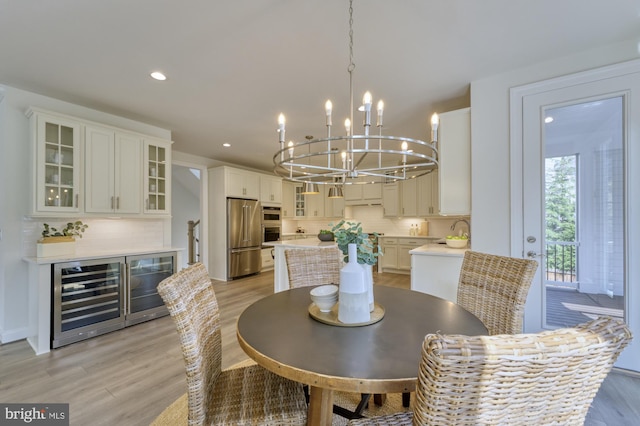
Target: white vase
[
  {"x": 368, "y": 280},
  {"x": 353, "y": 298}
]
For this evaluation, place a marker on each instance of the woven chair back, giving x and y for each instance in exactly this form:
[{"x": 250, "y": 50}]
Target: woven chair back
[
  {"x": 192, "y": 303},
  {"x": 494, "y": 288},
  {"x": 313, "y": 266},
  {"x": 525, "y": 379}
]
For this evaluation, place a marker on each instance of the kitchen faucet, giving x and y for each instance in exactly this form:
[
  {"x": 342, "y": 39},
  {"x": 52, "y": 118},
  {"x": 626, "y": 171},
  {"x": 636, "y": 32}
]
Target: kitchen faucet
[{"x": 465, "y": 221}]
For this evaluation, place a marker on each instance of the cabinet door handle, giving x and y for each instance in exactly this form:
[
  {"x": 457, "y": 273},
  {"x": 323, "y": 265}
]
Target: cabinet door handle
[
  {"x": 77, "y": 200},
  {"x": 111, "y": 202},
  {"x": 117, "y": 203}
]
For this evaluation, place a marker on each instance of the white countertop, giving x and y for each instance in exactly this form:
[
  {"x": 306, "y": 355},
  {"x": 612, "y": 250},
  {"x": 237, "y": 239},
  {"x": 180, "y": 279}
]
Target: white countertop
[
  {"x": 438, "y": 250},
  {"x": 302, "y": 243},
  {"x": 97, "y": 254},
  {"x": 420, "y": 237}
]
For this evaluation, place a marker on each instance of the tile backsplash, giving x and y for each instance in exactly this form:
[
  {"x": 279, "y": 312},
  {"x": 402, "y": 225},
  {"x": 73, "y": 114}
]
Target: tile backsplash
[
  {"x": 372, "y": 220},
  {"x": 101, "y": 235}
]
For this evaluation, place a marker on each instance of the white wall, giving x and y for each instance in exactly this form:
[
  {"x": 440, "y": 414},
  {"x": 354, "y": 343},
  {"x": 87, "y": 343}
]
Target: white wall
[
  {"x": 19, "y": 233},
  {"x": 490, "y": 173}
]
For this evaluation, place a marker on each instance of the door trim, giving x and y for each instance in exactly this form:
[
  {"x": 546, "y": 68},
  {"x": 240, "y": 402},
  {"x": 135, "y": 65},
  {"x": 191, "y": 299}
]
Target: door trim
[{"x": 518, "y": 95}]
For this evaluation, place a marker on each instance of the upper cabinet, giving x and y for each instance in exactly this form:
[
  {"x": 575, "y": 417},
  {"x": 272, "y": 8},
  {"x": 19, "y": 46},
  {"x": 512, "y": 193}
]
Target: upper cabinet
[
  {"x": 362, "y": 194},
  {"x": 391, "y": 199},
  {"x": 270, "y": 190},
  {"x": 87, "y": 168},
  {"x": 157, "y": 176},
  {"x": 113, "y": 172},
  {"x": 454, "y": 147},
  {"x": 56, "y": 162},
  {"x": 288, "y": 199},
  {"x": 242, "y": 184},
  {"x": 427, "y": 194}
]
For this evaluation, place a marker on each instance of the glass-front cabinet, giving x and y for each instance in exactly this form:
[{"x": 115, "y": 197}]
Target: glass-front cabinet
[
  {"x": 157, "y": 180},
  {"x": 57, "y": 168}
]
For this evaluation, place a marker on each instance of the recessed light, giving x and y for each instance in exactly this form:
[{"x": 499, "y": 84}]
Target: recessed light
[
  {"x": 158, "y": 75},
  {"x": 226, "y": 145}
]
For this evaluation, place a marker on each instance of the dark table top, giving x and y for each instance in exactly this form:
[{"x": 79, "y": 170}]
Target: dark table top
[{"x": 279, "y": 329}]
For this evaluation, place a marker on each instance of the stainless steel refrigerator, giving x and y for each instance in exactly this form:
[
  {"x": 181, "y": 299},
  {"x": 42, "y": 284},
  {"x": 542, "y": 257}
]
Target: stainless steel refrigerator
[{"x": 244, "y": 238}]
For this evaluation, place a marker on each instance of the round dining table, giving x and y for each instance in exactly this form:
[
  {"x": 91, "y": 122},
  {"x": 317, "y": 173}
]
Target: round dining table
[{"x": 279, "y": 333}]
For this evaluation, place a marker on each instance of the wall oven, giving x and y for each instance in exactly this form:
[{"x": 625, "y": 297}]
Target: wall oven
[{"x": 271, "y": 224}]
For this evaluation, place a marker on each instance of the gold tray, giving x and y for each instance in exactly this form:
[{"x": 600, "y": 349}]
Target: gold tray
[{"x": 331, "y": 317}]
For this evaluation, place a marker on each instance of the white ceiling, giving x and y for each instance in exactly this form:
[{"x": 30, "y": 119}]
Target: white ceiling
[{"x": 233, "y": 66}]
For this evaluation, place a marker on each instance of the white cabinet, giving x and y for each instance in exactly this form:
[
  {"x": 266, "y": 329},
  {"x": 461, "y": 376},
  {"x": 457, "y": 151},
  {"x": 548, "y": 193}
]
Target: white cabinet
[
  {"x": 427, "y": 195},
  {"x": 300, "y": 201},
  {"x": 333, "y": 207},
  {"x": 391, "y": 199},
  {"x": 436, "y": 274},
  {"x": 409, "y": 198},
  {"x": 267, "y": 258},
  {"x": 314, "y": 204},
  {"x": 454, "y": 150},
  {"x": 270, "y": 190},
  {"x": 113, "y": 172},
  {"x": 57, "y": 163},
  {"x": 362, "y": 194},
  {"x": 288, "y": 199},
  {"x": 389, "y": 259},
  {"x": 157, "y": 176},
  {"x": 396, "y": 255},
  {"x": 82, "y": 167},
  {"x": 242, "y": 184}
]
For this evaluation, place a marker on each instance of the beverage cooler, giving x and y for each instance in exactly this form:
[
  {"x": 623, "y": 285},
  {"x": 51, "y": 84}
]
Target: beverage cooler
[{"x": 93, "y": 297}]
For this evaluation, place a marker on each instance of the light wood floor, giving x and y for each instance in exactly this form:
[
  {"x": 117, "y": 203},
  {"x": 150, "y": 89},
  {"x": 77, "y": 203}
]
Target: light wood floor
[{"x": 129, "y": 376}]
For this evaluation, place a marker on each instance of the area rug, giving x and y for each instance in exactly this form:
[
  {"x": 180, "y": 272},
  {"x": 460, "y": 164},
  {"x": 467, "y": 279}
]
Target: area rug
[{"x": 176, "y": 413}]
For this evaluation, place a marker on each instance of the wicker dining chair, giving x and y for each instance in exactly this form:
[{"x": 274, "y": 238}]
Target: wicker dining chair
[
  {"x": 523, "y": 379},
  {"x": 247, "y": 395},
  {"x": 313, "y": 266},
  {"x": 494, "y": 288}
]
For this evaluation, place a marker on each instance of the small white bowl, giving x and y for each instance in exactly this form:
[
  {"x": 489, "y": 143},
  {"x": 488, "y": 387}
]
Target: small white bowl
[
  {"x": 456, "y": 243},
  {"x": 325, "y": 296}
]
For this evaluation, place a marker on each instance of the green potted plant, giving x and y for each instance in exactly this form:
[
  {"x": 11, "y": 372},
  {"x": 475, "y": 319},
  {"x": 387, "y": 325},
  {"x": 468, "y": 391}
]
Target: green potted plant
[
  {"x": 325, "y": 235},
  {"x": 71, "y": 230},
  {"x": 347, "y": 233},
  {"x": 60, "y": 242}
]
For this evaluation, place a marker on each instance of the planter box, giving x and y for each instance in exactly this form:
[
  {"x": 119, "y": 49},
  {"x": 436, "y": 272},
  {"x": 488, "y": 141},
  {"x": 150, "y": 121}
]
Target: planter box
[{"x": 56, "y": 246}]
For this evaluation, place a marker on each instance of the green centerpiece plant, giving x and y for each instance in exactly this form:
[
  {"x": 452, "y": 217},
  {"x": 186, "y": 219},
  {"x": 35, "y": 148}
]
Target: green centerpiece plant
[{"x": 347, "y": 233}]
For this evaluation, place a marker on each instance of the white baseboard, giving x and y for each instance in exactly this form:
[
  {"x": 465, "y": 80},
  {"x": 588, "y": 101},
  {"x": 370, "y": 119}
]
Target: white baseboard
[{"x": 8, "y": 336}]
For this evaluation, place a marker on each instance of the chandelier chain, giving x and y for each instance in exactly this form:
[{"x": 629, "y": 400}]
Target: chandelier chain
[{"x": 352, "y": 65}]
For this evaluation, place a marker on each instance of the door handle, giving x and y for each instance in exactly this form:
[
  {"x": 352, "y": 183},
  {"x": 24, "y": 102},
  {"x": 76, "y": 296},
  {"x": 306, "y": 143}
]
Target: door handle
[{"x": 532, "y": 254}]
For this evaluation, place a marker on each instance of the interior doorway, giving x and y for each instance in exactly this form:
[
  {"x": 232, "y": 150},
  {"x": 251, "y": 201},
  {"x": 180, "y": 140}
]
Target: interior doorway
[{"x": 189, "y": 208}]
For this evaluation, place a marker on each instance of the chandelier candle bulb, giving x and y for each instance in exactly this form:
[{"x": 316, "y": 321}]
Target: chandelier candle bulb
[
  {"x": 380, "y": 110},
  {"x": 327, "y": 108},
  {"x": 281, "y": 127},
  {"x": 435, "y": 121}
]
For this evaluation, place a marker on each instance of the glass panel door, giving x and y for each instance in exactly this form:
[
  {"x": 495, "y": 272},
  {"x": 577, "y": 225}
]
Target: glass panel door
[{"x": 584, "y": 212}]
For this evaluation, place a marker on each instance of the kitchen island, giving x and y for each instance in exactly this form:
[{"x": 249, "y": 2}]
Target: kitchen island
[
  {"x": 280, "y": 274},
  {"x": 435, "y": 269}
]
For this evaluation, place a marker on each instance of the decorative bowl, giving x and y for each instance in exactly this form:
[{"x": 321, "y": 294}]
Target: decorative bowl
[
  {"x": 325, "y": 237},
  {"x": 456, "y": 243},
  {"x": 325, "y": 296}
]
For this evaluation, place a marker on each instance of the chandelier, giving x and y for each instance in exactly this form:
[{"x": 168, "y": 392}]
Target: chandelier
[{"x": 354, "y": 159}]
